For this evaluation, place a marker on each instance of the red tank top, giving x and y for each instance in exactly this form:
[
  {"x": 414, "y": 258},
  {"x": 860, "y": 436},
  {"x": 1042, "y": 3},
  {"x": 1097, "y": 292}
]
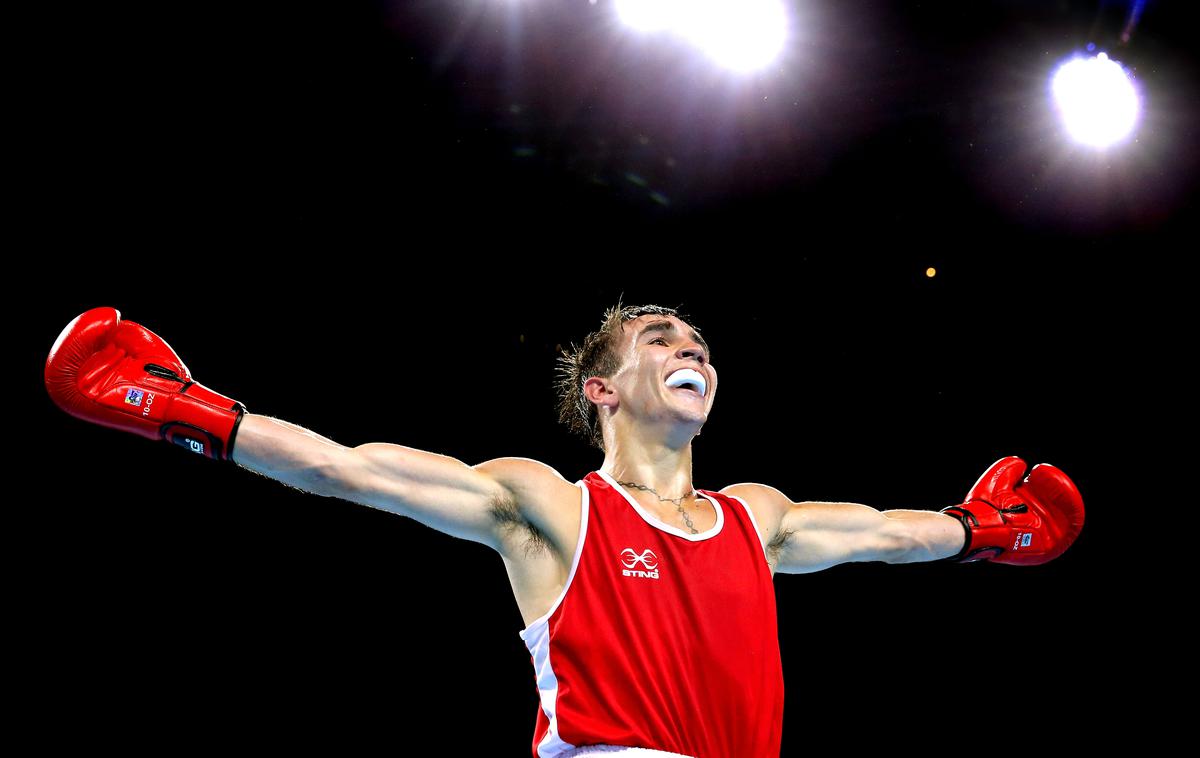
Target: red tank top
[{"x": 660, "y": 639}]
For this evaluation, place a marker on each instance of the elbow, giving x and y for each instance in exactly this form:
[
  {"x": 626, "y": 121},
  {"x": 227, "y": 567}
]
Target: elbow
[
  {"x": 335, "y": 476},
  {"x": 324, "y": 483},
  {"x": 901, "y": 551},
  {"x": 898, "y": 544}
]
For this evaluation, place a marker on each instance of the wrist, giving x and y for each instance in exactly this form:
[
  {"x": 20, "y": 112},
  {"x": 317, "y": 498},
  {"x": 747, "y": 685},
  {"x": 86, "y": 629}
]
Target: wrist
[
  {"x": 203, "y": 421},
  {"x": 966, "y": 535}
]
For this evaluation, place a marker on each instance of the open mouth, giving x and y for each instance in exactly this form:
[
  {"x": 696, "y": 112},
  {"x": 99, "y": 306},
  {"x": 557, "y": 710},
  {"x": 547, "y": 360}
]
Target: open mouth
[{"x": 687, "y": 380}]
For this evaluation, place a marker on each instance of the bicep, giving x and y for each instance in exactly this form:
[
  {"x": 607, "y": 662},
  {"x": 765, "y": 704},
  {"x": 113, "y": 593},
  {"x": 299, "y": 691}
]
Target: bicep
[
  {"x": 439, "y": 491},
  {"x": 817, "y": 535}
]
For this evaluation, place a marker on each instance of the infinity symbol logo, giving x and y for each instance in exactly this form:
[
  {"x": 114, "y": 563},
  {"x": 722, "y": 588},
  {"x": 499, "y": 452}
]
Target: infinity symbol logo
[{"x": 647, "y": 559}]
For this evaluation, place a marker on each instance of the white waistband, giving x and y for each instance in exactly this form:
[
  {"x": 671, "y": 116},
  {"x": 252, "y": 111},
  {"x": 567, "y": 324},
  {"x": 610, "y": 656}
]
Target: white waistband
[{"x": 645, "y": 752}]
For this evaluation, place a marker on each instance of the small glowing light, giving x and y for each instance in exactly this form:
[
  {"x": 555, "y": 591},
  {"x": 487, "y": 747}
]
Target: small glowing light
[
  {"x": 931, "y": 272},
  {"x": 1096, "y": 100}
]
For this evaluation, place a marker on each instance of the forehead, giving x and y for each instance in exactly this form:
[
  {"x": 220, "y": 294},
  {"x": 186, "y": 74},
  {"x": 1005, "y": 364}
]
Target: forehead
[{"x": 634, "y": 327}]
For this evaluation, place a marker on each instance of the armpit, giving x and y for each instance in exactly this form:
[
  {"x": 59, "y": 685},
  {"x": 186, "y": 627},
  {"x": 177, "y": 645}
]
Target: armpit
[
  {"x": 776, "y": 545},
  {"x": 515, "y": 529}
]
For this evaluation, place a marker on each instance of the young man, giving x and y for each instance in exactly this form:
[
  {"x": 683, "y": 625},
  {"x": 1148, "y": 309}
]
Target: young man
[{"x": 649, "y": 605}]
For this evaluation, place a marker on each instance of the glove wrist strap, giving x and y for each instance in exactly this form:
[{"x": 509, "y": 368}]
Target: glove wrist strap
[
  {"x": 987, "y": 534},
  {"x": 204, "y": 422}
]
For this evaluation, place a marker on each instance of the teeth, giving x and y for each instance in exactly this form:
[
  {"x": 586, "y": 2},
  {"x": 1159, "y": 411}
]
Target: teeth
[{"x": 688, "y": 376}]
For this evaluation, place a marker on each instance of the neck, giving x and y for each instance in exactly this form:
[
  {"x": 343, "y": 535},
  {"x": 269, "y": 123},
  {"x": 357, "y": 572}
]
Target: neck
[{"x": 664, "y": 469}]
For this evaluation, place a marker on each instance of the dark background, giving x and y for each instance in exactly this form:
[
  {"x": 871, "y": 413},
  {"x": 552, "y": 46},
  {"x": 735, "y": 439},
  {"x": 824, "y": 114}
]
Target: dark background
[{"x": 335, "y": 214}]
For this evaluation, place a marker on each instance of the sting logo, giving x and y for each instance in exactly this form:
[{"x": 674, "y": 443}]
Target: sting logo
[{"x": 649, "y": 561}]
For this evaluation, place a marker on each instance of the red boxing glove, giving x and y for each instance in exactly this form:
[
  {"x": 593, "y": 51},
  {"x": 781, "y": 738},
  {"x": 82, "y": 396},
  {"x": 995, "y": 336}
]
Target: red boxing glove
[
  {"x": 122, "y": 375},
  {"x": 1023, "y": 522}
]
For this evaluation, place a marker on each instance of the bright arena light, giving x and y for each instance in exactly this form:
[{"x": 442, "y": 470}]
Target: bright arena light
[
  {"x": 1096, "y": 100},
  {"x": 650, "y": 15},
  {"x": 742, "y": 35}
]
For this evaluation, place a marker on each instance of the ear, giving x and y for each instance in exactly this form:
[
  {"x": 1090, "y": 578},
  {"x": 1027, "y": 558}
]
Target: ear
[{"x": 600, "y": 392}]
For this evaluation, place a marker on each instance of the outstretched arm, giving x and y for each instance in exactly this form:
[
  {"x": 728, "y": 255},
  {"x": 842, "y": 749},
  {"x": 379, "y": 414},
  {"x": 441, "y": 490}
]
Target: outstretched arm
[
  {"x": 818, "y": 535},
  {"x": 480, "y": 503},
  {"x": 811, "y": 536},
  {"x": 1005, "y": 518},
  {"x": 118, "y": 373}
]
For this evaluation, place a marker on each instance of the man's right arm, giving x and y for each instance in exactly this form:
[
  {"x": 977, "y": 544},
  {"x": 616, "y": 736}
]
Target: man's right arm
[
  {"x": 117, "y": 373},
  {"x": 439, "y": 491}
]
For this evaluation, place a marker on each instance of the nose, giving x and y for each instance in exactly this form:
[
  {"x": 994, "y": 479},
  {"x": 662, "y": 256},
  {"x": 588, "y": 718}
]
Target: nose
[{"x": 693, "y": 351}]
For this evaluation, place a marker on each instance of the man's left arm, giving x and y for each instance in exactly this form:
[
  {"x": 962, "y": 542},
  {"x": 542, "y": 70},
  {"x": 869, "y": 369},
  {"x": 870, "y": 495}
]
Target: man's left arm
[
  {"x": 924, "y": 535},
  {"x": 813, "y": 536},
  {"x": 1004, "y": 518}
]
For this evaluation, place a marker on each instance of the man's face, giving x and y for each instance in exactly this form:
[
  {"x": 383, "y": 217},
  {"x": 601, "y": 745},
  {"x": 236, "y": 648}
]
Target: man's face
[{"x": 659, "y": 353}]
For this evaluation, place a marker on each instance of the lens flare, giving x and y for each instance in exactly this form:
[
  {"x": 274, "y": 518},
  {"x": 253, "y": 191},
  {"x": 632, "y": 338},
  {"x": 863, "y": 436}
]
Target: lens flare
[
  {"x": 1096, "y": 100},
  {"x": 740, "y": 35}
]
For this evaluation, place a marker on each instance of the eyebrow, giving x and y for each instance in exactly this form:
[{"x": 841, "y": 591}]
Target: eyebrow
[{"x": 667, "y": 326}]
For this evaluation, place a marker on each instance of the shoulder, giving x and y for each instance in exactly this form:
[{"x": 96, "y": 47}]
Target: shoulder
[
  {"x": 768, "y": 505},
  {"x": 520, "y": 470},
  {"x": 537, "y": 497},
  {"x": 530, "y": 482},
  {"x": 759, "y": 497}
]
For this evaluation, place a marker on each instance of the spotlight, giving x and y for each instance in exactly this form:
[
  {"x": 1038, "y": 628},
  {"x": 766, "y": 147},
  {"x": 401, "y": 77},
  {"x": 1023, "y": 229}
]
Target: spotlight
[
  {"x": 740, "y": 35},
  {"x": 1096, "y": 100}
]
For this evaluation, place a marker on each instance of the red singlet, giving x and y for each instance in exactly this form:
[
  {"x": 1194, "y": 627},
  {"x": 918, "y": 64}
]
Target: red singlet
[{"x": 661, "y": 638}]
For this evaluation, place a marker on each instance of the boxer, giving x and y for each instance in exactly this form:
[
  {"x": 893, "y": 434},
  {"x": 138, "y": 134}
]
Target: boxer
[{"x": 648, "y": 603}]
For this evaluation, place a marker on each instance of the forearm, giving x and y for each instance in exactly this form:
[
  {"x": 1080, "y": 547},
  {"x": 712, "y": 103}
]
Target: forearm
[
  {"x": 288, "y": 453},
  {"x": 926, "y": 535}
]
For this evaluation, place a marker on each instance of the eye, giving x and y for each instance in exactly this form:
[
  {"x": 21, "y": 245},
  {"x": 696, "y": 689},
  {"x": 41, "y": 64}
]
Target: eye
[{"x": 657, "y": 339}]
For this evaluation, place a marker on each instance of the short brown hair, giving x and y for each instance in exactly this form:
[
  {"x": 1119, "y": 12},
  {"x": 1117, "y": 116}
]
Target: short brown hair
[{"x": 599, "y": 356}]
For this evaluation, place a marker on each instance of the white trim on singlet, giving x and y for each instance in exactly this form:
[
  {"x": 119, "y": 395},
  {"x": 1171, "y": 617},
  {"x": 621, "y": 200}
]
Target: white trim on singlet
[
  {"x": 654, "y": 522},
  {"x": 537, "y": 640},
  {"x": 750, "y": 513},
  {"x": 643, "y": 752}
]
